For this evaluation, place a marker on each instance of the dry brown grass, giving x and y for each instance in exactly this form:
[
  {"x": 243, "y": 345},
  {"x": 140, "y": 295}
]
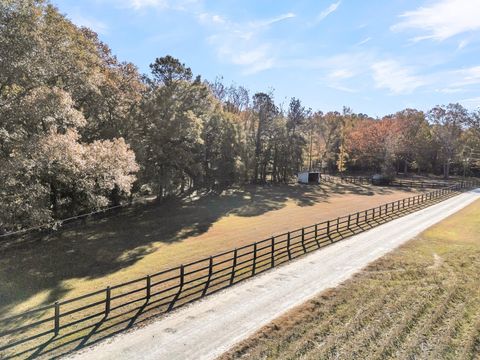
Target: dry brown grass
[
  {"x": 83, "y": 259},
  {"x": 420, "y": 301},
  {"x": 75, "y": 261}
]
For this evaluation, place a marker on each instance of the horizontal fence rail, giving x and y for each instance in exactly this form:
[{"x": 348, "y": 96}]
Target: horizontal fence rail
[
  {"x": 105, "y": 211},
  {"x": 365, "y": 180},
  {"x": 168, "y": 289}
]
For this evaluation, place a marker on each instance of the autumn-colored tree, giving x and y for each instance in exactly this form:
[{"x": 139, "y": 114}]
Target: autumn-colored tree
[{"x": 369, "y": 144}]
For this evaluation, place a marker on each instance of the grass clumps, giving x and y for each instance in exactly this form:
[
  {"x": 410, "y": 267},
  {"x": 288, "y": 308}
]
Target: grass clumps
[{"x": 420, "y": 301}]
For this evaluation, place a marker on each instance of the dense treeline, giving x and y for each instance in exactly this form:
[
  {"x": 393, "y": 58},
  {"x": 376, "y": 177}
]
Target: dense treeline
[{"x": 80, "y": 130}]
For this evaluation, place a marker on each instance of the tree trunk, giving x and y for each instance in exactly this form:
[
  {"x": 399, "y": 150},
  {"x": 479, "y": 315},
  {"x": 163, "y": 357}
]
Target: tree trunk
[
  {"x": 115, "y": 196},
  {"x": 54, "y": 200},
  {"x": 446, "y": 169}
]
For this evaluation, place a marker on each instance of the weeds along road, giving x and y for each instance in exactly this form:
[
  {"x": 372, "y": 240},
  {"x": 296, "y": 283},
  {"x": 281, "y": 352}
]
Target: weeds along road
[{"x": 209, "y": 327}]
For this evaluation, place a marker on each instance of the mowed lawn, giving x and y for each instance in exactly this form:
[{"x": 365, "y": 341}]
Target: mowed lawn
[
  {"x": 85, "y": 258},
  {"x": 421, "y": 301}
]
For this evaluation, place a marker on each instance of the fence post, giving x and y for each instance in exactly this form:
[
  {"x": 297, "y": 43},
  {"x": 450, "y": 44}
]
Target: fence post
[
  {"x": 288, "y": 246},
  {"x": 316, "y": 236},
  {"x": 338, "y": 225},
  {"x": 149, "y": 285},
  {"x": 273, "y": 252},
  {"x": 180, "y": 288},
  {"x": 348, "y": 223},
  {"x": 303, "y": 240},
  {"x": 182, "y": 275},
  {"x": 328, "y": 228},
  {"x": 108, "y": 296},
  {"x": 210, "y": 271},
  {"x": 232, "y": 277},
  {"x": 254, "y": 258},
  {"x": 57, "y": 317},
  {"x": 358, "y": 217}
]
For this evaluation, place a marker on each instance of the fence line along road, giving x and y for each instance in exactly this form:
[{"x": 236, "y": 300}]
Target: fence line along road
[{"x": 95, "y": 315}]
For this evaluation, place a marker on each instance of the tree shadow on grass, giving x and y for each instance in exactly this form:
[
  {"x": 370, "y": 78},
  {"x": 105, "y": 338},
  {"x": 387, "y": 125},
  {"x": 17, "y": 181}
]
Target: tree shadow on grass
[
  {"x": 88, "y": 329},
  {"x": 105, "y": 246}
]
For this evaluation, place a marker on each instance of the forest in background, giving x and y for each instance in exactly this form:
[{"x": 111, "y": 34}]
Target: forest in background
[{"x": 81, "y": 130}]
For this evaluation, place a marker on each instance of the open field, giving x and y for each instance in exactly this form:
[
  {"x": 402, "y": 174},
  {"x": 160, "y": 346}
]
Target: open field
[
  {"x": 420, "y": 301},
  {"x": 75, "y": 261},
  {"x": 284, "y": 202}
]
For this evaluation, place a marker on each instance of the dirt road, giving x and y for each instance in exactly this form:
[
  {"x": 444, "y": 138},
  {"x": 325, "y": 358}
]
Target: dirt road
[{"x": 207, "y": 328}]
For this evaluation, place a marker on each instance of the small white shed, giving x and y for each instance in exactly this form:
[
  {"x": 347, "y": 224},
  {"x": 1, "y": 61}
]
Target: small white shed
[{"x": 308, "y": 177}]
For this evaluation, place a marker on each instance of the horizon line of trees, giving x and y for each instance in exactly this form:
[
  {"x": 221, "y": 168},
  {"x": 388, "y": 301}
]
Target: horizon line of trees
[{"x": 81, "y": 130}]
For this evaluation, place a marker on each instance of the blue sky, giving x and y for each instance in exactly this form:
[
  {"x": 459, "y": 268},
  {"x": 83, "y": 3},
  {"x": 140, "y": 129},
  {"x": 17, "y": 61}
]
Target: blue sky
[{"x": 375, "y": 56}]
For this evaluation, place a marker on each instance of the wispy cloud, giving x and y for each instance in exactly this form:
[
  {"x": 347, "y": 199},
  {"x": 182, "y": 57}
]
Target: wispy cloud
[
  {"x": 442, "y": 19},
  {"x": 330, "y": 9},
  {"x": 211, "y": 19},
  {"x": 344, "y": 71},
  {"x": 449, "y": 90},
  {"x": 342, "y": 88},
  {"x": 341, "y": 74},
  {"x": 462, "y": 44},
  {"x": 364, "y": 41},
  {"x": 242, "y": 43},
  {"x": 392, "y": 75},
  {"x": 471, "y": 103},
  {"x": 467, "y": 76},
  {"x": 268, "y": 22},
  {"x": 138, "y": 4},
  {"x": 452, "y": 81},
  {"x": 182, "y": 5},
  {"x": 96, "y": 25}
]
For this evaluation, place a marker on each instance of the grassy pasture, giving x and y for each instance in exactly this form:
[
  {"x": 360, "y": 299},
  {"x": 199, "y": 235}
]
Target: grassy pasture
[
  {"x": 420, "y": 301},
  {"x": 135, "y": 243}
]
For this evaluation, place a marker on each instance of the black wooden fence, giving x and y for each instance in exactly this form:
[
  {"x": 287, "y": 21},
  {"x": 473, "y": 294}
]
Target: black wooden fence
[
  {"x": 365, "y": 180},
  {"x": 168, "y": 289}
]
